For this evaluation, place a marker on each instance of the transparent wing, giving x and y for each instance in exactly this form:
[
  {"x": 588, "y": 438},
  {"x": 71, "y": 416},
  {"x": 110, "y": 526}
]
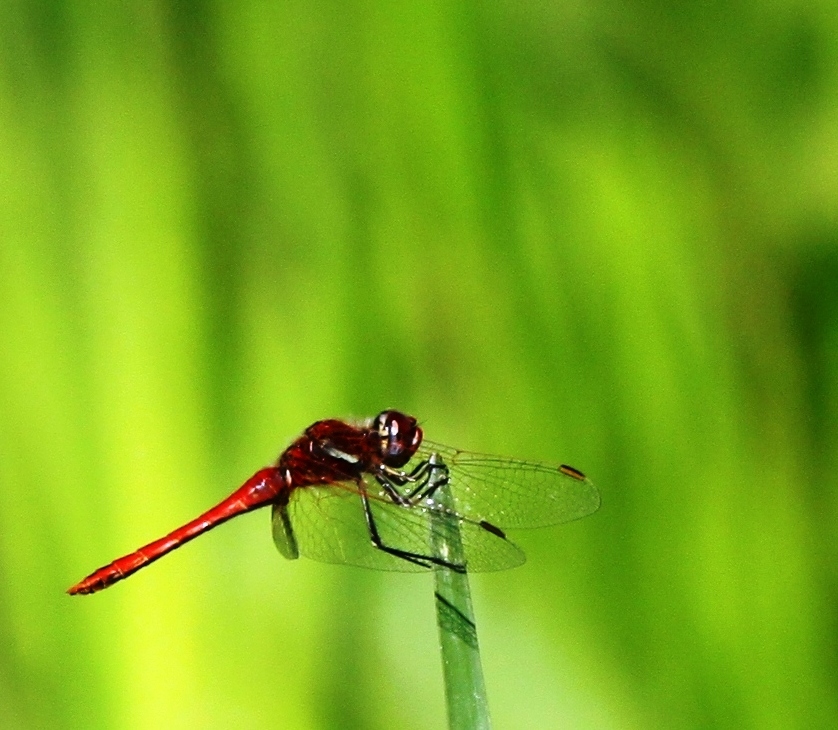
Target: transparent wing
[
  {"x": 329, "y": 525},
  {"x": 510, "y": 493}
]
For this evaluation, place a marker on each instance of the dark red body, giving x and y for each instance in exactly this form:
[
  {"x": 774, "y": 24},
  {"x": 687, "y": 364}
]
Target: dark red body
[{"x": 328, "y": 452}]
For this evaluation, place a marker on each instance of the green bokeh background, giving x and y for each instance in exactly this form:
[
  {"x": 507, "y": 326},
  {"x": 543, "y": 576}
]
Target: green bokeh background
[{"x": 604, "y": 234}]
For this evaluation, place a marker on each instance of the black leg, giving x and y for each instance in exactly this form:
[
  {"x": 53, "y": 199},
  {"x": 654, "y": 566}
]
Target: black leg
[
  {"x": 421, "y": 475},
  {"x": 399, "y": 478},
  {"x": 421, "y": 467},
  {"x": 391, "y": 491},
  {"x": 426, "y": 561},
  {"x": 429, "y": 492}
]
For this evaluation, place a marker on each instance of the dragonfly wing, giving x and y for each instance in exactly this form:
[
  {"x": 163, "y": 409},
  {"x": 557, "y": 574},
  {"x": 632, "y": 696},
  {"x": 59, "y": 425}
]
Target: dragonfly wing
[
  {"x": 329, "y": 525},
  {"x": 511, "y": 493},
  {"x": 417, "y": 527},
  {"x": 283, "y": 533}
]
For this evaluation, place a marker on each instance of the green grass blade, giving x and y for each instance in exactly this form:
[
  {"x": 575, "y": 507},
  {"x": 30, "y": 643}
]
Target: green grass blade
[{"x": 465, "y": 692}]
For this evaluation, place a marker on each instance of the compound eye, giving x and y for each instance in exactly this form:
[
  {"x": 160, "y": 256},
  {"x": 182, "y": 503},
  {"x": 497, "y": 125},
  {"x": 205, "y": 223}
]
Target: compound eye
[
  {"x": 399, "y": 437},
  {"x": 385, "y": 424}
]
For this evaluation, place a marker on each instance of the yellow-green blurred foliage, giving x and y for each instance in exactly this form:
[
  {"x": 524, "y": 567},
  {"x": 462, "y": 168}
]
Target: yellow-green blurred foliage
[{"x": 598, "y": 233}]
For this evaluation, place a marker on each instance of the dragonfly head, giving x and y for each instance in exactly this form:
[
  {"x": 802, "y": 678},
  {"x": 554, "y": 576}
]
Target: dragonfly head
[{"x": 398, "y": 437}]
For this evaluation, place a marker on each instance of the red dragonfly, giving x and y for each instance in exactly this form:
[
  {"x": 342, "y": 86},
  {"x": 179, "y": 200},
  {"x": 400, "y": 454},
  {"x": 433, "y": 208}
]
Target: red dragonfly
[{"x": 362, "y": 494}]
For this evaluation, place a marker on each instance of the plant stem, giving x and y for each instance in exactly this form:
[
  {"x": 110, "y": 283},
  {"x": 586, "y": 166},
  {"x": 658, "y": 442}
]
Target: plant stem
[{"x": 465, "y": 693}]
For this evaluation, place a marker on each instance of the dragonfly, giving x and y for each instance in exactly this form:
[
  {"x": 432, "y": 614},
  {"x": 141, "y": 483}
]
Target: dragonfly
[{"x": 362, "y": 493}]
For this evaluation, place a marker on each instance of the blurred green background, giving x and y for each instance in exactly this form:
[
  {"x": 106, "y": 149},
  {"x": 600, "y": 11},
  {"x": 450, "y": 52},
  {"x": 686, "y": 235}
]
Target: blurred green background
[{"x": 603, "y": 234}]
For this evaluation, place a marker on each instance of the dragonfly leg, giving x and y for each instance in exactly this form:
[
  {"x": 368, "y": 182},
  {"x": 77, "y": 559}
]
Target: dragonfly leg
[
  {"x": 421, "y": 475},
  {"x": 418, "y": 471},
  {"x": 426, "y": 561},
  {"x": 391, "y": 491},
  {"x": 422, "y": 481},
  {"x": 420, "y": 491}
]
